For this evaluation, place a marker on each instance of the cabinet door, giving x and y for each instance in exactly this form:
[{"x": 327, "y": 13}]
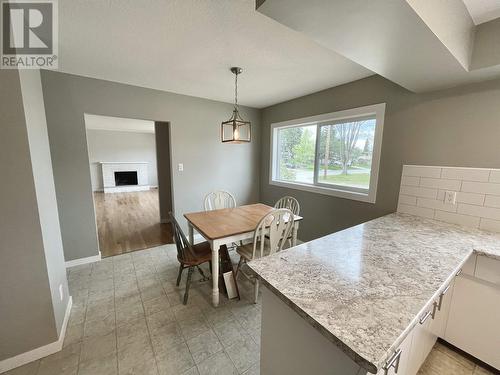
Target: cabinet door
[
  {"x": 473, "y": 321},
  {"x": 423, "y": 341},
  {"x": 438, "y": 324},
  {"x": 404, "y": 358}
]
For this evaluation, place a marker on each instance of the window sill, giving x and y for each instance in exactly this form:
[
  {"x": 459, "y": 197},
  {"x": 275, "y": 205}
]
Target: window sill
[{"x": 362, "y": 197}]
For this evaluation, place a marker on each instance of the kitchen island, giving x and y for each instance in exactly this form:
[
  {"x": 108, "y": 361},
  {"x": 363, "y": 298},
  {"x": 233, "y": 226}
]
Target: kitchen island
[{"x": 347, "y": 303}]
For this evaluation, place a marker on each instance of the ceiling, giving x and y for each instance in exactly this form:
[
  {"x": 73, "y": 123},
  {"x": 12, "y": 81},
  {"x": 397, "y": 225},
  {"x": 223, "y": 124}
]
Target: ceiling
[
  {"x": 188, "y": 46},
  {"x": 422, "y": 45},
  {"x": 96, "y": 122},
  {"x": 483, "y": 10}
]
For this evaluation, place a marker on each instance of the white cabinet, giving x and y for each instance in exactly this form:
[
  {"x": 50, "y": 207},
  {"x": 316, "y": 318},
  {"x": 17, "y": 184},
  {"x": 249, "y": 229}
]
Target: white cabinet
[
  {"x": 488, "y": 269},
  {"x": 474, "y": 319},
  {"x": 441, "y": 311},
  {"x": 423, "y": 341},
  {"x": 398, "y": 363}
]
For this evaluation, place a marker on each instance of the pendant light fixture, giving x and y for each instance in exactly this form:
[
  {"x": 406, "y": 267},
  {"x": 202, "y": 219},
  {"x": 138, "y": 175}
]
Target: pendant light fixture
[{"x": 235, "y": 130}]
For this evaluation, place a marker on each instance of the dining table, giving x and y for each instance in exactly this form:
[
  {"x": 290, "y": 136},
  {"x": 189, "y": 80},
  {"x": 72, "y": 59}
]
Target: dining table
[{"x": 226, "y": 226}]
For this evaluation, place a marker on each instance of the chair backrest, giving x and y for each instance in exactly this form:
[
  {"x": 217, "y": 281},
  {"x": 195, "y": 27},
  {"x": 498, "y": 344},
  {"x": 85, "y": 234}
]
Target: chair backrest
[
  {"x": 277, "y": 225},
  {"x": 184, "y": 249},
  {"x": 216, "y": 200},
  {"x": 289, "y": 202}
]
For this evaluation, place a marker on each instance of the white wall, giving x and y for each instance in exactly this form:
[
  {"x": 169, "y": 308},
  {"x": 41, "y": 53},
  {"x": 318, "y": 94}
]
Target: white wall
[{"x": 105, "y": 145}]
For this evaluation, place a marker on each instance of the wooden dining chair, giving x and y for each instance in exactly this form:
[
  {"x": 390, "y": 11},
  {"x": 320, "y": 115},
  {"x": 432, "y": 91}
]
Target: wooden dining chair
[
  {"x": 216, "y": 200},
  {"x": 288, "y": 202},
  {"x": 270, "y": 235},
  {"x": 293, "y": 205},
  {"x": 189, "y": 256}
]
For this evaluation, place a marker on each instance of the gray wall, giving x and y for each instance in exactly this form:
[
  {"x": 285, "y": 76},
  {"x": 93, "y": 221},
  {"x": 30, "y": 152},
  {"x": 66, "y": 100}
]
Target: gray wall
[
  {"x": 26, "y": 311},
  {"x": 105, "y": 145},
  {"x": 162, "y": 134},
  {"x": 195, "y": 132},
  {"x": 456, "y": 127},
  {"x": 45, "y": 190}
]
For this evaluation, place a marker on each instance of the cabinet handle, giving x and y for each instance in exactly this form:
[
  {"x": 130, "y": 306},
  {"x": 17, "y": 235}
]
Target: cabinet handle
[
  {"x": 435, "y": 306},
  {"x": 459, "y": 272},
  {"x": 441, "y": 296},
  {"x": 424, "y": 318},
  {"x": 393, "y": 362}
]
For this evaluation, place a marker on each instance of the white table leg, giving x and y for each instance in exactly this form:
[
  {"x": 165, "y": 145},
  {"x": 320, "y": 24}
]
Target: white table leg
[
  {"x": 215, "y": 273},
  {"x": 294, "y": 233},
  {"x": 190, "y": 233}
]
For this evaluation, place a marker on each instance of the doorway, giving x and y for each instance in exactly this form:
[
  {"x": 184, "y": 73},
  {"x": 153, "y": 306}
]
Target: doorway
[{"x": 131, "y": 178}]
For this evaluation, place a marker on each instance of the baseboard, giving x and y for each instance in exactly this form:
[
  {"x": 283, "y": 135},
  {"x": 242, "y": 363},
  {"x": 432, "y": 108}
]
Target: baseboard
[
  {"x": 78, "y": 262},
  {"x": 43, "y": 351}
]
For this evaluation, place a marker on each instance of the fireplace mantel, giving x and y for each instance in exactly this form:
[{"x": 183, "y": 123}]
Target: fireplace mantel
[{"x": 108, "y": 175}]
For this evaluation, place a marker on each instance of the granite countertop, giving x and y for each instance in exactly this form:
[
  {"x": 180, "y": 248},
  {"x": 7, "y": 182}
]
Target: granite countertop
[{"x": 365, "y": 287}]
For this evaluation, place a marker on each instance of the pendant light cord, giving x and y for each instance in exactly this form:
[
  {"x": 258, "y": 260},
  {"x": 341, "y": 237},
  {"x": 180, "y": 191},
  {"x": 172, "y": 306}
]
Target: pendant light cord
[{"x": 236, "y": 91}]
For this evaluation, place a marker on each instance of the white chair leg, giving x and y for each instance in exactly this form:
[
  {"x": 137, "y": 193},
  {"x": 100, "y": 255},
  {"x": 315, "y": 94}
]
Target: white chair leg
[{"x": 256, "y": 290}]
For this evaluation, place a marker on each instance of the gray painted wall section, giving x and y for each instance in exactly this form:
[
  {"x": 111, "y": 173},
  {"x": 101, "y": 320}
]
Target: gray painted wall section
[
  {"x": 45, "y": 191},
  {"x": 195, "y": 132},
  {"x": 456, "y": 127},
  {"x": 105, "y": 145},
  {"x": 26, "y": 311},
  {"x": 162, "y": 134}
]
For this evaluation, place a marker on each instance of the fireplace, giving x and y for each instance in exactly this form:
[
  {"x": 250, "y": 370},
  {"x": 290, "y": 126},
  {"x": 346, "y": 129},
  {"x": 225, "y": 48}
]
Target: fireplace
[{"x": 124, "y": 178}]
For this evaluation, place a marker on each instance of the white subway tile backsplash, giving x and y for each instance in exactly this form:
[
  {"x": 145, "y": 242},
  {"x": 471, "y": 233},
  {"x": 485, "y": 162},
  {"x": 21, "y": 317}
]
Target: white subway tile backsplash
[
  {"x": 440, "y": 183},
  {"x": 481, "y": 187},
  {"x": 407, "y": 199},
  {"x": 478, "y": 195},
  {"x": 489, "y": 224},
  {"x": 492, "y": 201},
  {"x": 454, "y": 218},
  {"x": 417, "y": 191},
  {"x": 436, "y": 205},
  {"x": 410, "y": 181},
  {"x": 466, "y": 174},
  {"x": 470, "y": 198},
  {"x": 421, "y": 171},
  {"x": 495, "y": 176},
  {"x": 479, "y": 211},
  {"x": 417, "y": 211}
]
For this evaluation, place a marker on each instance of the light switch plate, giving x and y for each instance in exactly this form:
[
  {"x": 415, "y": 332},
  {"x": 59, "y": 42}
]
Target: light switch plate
[
  {"x": 450, "y": 197},
  {"x": 61, "y": 292},
  {"x": 180, "y": 167}
]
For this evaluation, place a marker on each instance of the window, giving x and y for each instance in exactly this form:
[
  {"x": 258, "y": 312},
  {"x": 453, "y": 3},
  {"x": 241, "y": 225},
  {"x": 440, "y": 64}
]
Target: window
[{"x": 336, "y": 153}]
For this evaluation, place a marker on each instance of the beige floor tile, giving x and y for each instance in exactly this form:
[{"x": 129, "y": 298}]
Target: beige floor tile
[
  {"x": 191, "y": 371},
  {"x": 166, "y": 337},
  {"x": 204, "y": 346},
  {"x": 193, "y": 327},
  {"x": 254, "y": 370},
  {"x": 133, "y": 355},
  {"x": 62, "y": 362},
  {"x": 100, "y": 327},
  {"x": 219, "y": 364},
  {"x": 98, "y": 347},
  {"x": 456, "y": 356},
  {"x": 478, "y": 370},
  {"x": 155, "y": 305},
  {"x": 129, "y": 334},
  {"x": 175, "y": 361},
  {"x": 244, "y": 353},
  {"x": 160, "y": 319},
  {"x": 101, "y": 366},
  {"x": 129, "y": 314},
  {"x": 27, "y": 369},
  {"x": 438, "y": 363},
  {"x": 74, "y": 334},
  {"x": 229, "y": 332}
]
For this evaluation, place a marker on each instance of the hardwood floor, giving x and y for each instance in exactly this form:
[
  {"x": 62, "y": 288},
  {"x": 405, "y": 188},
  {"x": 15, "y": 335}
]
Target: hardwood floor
[{"x": 129, "y": 221}]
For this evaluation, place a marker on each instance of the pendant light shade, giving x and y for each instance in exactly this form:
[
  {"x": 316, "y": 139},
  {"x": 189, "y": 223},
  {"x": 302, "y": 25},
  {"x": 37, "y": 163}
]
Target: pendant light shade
[{"x": 235, "y": 130}]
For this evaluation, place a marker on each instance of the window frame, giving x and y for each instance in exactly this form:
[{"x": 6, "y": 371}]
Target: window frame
[{"x": 364, "y": 195}]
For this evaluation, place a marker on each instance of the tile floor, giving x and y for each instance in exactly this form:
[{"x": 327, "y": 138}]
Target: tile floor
[{"x": 127, "y": 318}]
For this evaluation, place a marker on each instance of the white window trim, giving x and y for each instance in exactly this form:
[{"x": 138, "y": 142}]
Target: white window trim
[{"x": 369, "y": 195}]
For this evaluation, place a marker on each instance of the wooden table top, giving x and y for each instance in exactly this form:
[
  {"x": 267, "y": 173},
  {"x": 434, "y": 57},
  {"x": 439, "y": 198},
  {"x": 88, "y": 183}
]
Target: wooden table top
[{"x": 229, "y": 221}]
